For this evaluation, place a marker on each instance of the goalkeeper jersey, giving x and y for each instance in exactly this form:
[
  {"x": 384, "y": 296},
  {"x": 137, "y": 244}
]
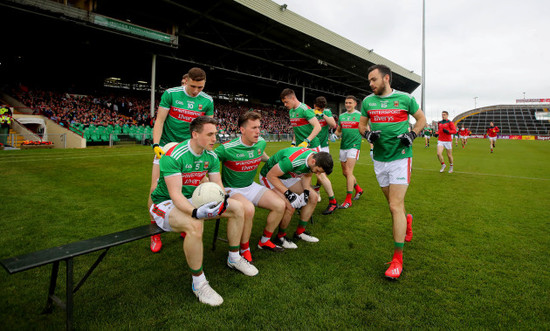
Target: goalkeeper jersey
[
  {"x": 390, "y": 114},
  {"x": 299, "y": 119},
  {"x": 180, "y": 160},
  {"x": 349, "y": 124},
  {"x": 240, "y": 162},
  {"x": 323, "y": 134},
  {"x": 182, "y": 110},
  {"x": 291, "y": 160}
]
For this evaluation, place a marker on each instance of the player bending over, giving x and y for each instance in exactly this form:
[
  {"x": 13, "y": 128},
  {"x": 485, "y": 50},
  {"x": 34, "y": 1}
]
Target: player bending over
[
  {"x": 181, "y": 170},
  {"x": 240, "y": 158},
  {"x": 288, "y": 173}
]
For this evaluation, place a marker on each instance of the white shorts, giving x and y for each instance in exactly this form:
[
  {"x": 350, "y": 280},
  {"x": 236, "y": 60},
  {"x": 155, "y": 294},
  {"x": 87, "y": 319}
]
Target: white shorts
[
  {"x": 352, "y": 153},
  {"x": 161, "y": 214},
  {"x": 393, "y": 172},
  {"x": 446, "y": 144},
  {"x": 324, "y": 149},
  {"x": 463, "y": 137},
  {"x": 492, "y": 138},
  {"x": 156, "y": 160},
  {"x": 252, "y": 192},
  {"x": 286, "y": 182}
]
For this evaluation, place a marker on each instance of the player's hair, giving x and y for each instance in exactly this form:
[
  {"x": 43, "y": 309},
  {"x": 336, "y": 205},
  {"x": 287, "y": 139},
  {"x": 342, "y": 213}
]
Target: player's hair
[
  {"x": 249, "y": 115},
  {"x": 320, "y": 102},
  {"x": 196, "y": 74},
  {"x": 352, "y": 97},
  {"x": 383, "y": 69},
  {"x": 287, "y": 92},
  {"x": 446, "y": 112},
  {"x": 324, "y": 160},
  {"x": 198, "y": 123}
]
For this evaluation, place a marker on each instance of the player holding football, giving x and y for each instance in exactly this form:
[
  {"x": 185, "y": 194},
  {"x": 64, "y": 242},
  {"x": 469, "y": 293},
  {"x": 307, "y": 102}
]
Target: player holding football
[
  {"x": 463, "y": 134},
  {"x": 178, "y": 107},
  {"x": 181, "y": 170},
  {"x": 324, "y": 116},
  {"x": 445, "y": 131},
  {"x": 240, "y": 158},
  {"x": 388, "y": 111},
  {"x": 288, "y": 173},
  {"x": 350, "y": 146},
  {"x": 492, "y": 135}
]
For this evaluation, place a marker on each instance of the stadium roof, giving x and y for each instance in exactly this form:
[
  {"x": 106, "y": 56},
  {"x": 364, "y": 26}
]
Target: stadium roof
[{"x": 251, "y": 46}]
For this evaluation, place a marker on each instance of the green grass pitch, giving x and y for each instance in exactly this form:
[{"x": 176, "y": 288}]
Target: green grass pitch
[{"x": 478, "y": 258}]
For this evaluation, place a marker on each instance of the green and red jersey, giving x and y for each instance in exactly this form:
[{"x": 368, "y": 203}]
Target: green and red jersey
[
  {"x": 390, "y": 115},
  {"x": 349, "y": 124},
  {"x": 323, "y": 134},
  {"x": 240, "y": 162},
  {"x": 299, "y": 119},
  {"x": 182, "y": 110},
  {"x": 180, "y": 160},
  {"x": 291, "y": 160}
]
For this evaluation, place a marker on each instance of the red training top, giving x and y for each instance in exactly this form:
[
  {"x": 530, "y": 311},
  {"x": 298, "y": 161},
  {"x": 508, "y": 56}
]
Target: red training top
[
  {"x": 492, "y": 131},
  {"x": 450, "y": 126}
]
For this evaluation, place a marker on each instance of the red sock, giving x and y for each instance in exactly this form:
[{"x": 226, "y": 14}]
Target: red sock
[
  {"x": 267, "y": 233},
  {"x": 358, "y": 188},
  {"x": 348, "y": 197},
  {"x": 300, "y": 229},
  {"x": 398, "y": 255},
  {"x": 245, "y": 246},
  {"x": 333, "y": 201}
]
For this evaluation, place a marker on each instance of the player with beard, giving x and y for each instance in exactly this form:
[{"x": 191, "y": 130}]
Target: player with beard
[{"x": 388, "y": 112}]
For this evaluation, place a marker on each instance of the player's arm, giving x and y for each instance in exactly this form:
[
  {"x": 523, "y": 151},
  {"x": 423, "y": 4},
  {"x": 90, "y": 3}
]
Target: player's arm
[
  {"x": 306, "y": 182},
  {"x": 273, "y": 177},
  {"x": 330, "y": 121},
  {"x": 420, "y": 121},
  {"x": 316, "y": 128},
  {"x": 363, "y": 125},
  {"x": 162, "y": 113},
  {"x": 265, "y": 157},
  {"x": 174, "y": 185},
  {"x": 452, "y": 128},
  {"x": 216, "y": 178},
  {"x": 338, "y": 131}
]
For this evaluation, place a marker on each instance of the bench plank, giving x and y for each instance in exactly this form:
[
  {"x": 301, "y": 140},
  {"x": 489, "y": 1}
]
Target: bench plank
[{"x": 50, "y": 255}]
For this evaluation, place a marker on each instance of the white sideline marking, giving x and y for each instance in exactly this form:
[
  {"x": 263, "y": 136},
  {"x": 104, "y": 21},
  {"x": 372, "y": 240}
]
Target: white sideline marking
[{"x": 468, "y": 173}]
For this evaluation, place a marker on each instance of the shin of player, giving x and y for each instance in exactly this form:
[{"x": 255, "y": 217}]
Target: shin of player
[{"x": 392, "y": 151}]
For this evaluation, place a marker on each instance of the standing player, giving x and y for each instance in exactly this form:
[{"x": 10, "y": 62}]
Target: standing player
[
  {"x": 288, "y": 173},
  {"x": 388, "y": 111},
  {"x": 350, "y": 146},
  {"x": 463, "y": 135},
  {"x": 492, "y": 134},
  {"x": 178, "y": 107},
  {"x": 445, "y": 131},
  {"x": 324, "y": 116},
  {"x": 427, "y": 132},
  {"x": 181, "y": 170},
  {"x": 240, "y": 158},
  {"x": 305, "y": 125}
]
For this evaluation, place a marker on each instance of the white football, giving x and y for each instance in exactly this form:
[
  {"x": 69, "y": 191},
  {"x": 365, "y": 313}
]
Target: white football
[
  {"x": 207, "y": 192},
  {"x": 167, "y": 147}
]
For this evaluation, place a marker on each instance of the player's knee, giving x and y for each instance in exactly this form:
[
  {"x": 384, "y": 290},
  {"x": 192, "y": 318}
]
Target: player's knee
[
  {"x": 396, "y": 207},
  {"x": 195, "y": 230},
  {"x": 313, "y": 197},
  {"x": 249, "y": 209},
  {"x": 278, "y": 206},
  {"x": 236, "y": 208}
]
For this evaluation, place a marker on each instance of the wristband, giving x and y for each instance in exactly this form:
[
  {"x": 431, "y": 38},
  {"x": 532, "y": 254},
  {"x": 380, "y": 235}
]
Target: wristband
[{"x": 155, "y": 145}]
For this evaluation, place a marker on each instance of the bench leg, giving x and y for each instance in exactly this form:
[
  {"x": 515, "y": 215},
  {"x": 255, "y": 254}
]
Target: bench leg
[
  {"x": 216, "y": 229},
  {"x": 69, "y": 302},
  {"x": 51, "y": 291}
]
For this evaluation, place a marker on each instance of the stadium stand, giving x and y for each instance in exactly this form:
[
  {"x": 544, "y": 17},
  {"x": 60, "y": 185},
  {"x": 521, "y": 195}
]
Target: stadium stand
[{"x": 511, "y": 119}]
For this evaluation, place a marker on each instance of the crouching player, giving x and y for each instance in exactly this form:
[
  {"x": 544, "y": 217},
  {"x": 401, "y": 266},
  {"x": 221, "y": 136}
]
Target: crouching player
[
  {"x": 240, "y": 158},
  {"x": 181, "y": 170},
  {"x": 288, "y": 173}
]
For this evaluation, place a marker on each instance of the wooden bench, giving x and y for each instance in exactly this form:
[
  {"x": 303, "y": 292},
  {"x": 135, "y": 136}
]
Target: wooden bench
[{"x": 67, "y": 253}]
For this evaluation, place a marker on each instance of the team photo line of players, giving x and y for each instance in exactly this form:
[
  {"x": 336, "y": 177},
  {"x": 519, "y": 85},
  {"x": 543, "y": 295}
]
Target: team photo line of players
[{"x": 185, "y": 115}]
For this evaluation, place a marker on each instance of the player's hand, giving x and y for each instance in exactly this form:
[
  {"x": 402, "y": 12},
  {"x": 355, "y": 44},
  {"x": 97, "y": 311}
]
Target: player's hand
[
  {"x": 318, "y": 112},
  {"x": 446, "y": 131},
  {"x": 407, "y": 138},
  {"x": 301, "y": 201},
  {"x": 293, "y": 198},
  {"x": 293, "y": 144},
  {"x": 211, "y": 209},
  {"x": 158, "y": 151},
  {"x": 305, "y": 143},
  {"x": 333, "y": 137},
  {"x": 372, "y": 136}
]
